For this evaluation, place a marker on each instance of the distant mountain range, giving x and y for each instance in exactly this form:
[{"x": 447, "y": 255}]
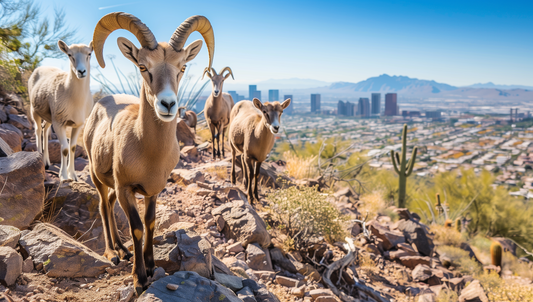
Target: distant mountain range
[
  {"x": 492, "y": 85},
  {"x": 386, "y": 82}
]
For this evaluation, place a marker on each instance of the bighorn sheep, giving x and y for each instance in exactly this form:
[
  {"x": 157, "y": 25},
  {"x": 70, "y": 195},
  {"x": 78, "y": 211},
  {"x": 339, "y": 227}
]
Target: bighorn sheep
[
  {"x": 190, "y": 117},
  {"x": 131, "y": 142},
  {"x": 252, "y": 134},
  {"x": 62, "y": 99},
  {"x": 218, "y": 108}
]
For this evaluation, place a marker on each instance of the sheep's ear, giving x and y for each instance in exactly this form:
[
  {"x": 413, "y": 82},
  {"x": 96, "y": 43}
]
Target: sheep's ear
[
  {"x": 129, "y": 50},
  {"x": 257, "y": 103},
  {"x": 63, "y": 46},
  {"x": 285, "y": 104},
  {"x": 91, "y": 46},
  {"x": 192, "y": 50}
]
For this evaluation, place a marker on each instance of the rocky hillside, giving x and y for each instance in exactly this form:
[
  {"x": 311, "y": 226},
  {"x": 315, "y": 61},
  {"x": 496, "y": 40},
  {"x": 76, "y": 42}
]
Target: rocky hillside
[{"x": 210, "y": 244}]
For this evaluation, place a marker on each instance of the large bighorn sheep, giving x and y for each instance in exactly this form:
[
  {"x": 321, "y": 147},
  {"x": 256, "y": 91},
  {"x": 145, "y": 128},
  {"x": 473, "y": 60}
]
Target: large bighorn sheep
[
  {"x": 251, "y": 132},
  {"x": 218, "y": 108},
  {"x": 131, "y": 142},
  {"x": 62, "y": 99},
  {"x": 190, "y": 117}
]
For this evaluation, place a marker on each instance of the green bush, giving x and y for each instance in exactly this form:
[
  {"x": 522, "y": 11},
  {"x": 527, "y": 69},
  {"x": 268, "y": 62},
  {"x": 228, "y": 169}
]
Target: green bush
[{"x": 305, "y": 212}]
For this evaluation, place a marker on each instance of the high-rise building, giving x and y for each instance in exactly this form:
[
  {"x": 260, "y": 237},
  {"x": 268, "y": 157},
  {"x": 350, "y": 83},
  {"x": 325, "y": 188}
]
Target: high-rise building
[
  {"x": 315, "y": 103},
  {"x": 234, "y": 95},
  {"x": 391, "y": 106},
  {"x": 433, "y": 114},
  {"x": 341, "y": 108},
  {"x": 252, "y": 89},
  {"x": 273, "y": 95},
  {"x": 289, "y": 110},
  {"x": 376, "y": 103},
  {"x": 350, "y": 109},
  {"x": 363, "y": 108},
  {"x": 257, "y": 95}
]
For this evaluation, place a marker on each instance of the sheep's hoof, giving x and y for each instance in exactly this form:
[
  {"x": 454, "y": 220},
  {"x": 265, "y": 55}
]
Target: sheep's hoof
[{"x": 46, "y": 167}]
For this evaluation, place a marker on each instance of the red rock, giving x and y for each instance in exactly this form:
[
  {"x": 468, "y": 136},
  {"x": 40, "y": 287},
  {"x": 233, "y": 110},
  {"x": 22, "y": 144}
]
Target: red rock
[
  {"x": 412, "y": 261},
  {"x": 390, "y": 238},
  {"x": 315, "y": 293},
  {"x": 288, "y": 282}
]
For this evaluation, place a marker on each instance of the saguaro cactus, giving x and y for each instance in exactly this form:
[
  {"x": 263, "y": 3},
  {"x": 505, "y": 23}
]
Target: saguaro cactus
[{"x": 405, "y": 166}]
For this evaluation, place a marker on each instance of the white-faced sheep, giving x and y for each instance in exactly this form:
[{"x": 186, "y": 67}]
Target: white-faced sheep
[
  {"x": 190, "y": 117},
  {"x": 218, "y": 108},
  {"x": 131, "y": 142},
  {"x": 62, "y": 99},
  {"x": 251, "y": 133}
]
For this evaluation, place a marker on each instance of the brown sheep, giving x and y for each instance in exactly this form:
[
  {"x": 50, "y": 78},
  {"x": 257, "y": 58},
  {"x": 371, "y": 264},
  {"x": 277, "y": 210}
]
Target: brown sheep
[
  {"x": 190, "y": 117},
  {"x": 218, "y": 108},
  {"x": 251, "y": 133},
  {"x": 131, "y": 142}
]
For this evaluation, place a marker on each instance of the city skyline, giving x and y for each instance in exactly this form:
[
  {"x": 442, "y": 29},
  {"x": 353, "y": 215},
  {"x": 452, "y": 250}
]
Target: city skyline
[{"x": 452, "y": 42}]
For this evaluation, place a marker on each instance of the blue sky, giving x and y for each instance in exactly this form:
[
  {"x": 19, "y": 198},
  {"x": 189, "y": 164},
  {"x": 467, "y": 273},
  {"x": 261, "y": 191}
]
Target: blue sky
[{"x": 454, "y": 42}]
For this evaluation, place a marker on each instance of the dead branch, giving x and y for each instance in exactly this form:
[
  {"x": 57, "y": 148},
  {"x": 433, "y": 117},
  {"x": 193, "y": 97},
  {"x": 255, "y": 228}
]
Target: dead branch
[{"x": 340, "y": 265}]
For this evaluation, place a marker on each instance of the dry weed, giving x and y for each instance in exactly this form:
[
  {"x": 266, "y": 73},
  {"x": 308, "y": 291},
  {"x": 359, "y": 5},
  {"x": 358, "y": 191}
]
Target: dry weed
[
  {"x": 299, "y": 167},
  {"x": 446, "y": 236}
]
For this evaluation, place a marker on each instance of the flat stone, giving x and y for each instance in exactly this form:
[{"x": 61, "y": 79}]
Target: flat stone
[
  {"x": 474, "y": 292},
  {"x": 288, "y": 282},
  {"x": 232, "y": 282},
  {"x": 192, "y": 288},
  {"x": 390, "y": 238},
  {"x": 412, "y": 261},
  {"x": 235, "y": 248},
  {"x": 61, "y": 255},
  {"x": 326, "y": 299},
  {"x": 171, "y": 286},
  {"x": 315, "y": 293}
]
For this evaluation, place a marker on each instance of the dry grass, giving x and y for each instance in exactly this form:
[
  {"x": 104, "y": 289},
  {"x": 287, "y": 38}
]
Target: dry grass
[
  {"x": 204, "y": 134},
  {"x": 374, "y": 204},
  {"x": 366, "y": 263},
  {"x": 446, "y": 235},
  {"x": 446, "y": 295},
  {"x": 220, "y": 171},
  {"x": 300, "y": 167},
  {"x": 498, "y": 289},
  {"x": 510, "y": 262}
]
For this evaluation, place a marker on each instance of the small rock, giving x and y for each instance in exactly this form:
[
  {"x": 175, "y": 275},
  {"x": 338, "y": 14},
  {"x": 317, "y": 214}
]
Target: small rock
[
  {"x": 315, "y": 293},
  {"x": 326, "y": 299},
  {"x": 235, "y": 248},
  {"x": 288, "y": 282},
  {"x": 9, "y": 236},
  {"x": 27, "y": 265},
  {"x": 257, "y": 259},
  {"x": 159, "y": 273},
  {"x": 171, "y": 286},
  {"x": 126, "y": 293},
  {"x": 298, "y": 291},
  {"x": 473, "y": 293}
]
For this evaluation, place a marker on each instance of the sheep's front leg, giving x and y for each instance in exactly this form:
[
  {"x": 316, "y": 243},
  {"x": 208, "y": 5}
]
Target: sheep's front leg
[
  {"x": 250, "y": 169},
  {"x": 103, "y": 190},
  {"x": 213, "y": 137},
  {"x": 117, "y": 242},
  {"x": 149, "y": 222},
  {"x": 72, "y": 153},
  {"x": 38, "y": 132},
  {"x": 256, "y": 178},
  {"x": 127, "y": 201},
  {"x": 46, "y": 134},
  {"x": 62, "y": 136},
  {"x": 233, "y": 156}
]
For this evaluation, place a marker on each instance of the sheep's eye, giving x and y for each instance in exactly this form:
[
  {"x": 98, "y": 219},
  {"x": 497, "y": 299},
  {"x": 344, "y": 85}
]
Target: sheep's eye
[
  {"x": 183, "y": 68},
  {"x": 142, "y": 68}
]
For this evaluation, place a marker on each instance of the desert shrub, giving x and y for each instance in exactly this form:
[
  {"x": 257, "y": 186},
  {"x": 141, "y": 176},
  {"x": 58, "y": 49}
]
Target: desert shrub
[
  {"x": 305, "y": 212},
  {"x": 300, "y": 167},
  {"x": 510, "y": 262},
  {"x": 460, "y": 259},
  {"x": 498, "y": 289}
]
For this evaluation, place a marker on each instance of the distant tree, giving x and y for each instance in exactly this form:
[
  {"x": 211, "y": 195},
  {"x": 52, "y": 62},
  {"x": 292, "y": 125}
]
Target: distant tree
[{"x": 28, "y": 37}]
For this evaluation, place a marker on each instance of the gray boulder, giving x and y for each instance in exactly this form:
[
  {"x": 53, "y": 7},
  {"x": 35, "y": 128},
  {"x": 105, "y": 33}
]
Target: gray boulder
[
  {"x": 22, "y": 197},
  {"x": 191, "y": 288},
  {"x": 60, "y": 254},
  {"x": 10, "y": 265},
  {"x": 242, "y": 223},
  {"x": 75, "y": 206},
  {"x": 415, "y": 233}
]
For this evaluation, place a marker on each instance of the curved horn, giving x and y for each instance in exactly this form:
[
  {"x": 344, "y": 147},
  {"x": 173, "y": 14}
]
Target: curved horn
[
  {"x": 206, "y": 70},
  {"x": 192, "y": 24},
  {"x": 214, "y": 71},
  {"x": 113, "y": 21},
  {"x": 230, "y": 72}
]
